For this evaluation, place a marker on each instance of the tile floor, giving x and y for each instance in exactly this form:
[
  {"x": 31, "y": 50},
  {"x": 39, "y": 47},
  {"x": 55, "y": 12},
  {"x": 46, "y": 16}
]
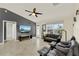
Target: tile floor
[{"x": 23, "y": 48}]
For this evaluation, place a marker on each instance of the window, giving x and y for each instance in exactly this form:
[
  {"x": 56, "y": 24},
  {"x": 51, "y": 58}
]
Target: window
[{"x": 53, "y": 28}]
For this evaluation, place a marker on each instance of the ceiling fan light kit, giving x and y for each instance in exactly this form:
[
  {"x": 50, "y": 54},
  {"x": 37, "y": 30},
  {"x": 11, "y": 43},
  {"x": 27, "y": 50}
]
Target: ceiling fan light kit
[{"x": 34, "y": 13}]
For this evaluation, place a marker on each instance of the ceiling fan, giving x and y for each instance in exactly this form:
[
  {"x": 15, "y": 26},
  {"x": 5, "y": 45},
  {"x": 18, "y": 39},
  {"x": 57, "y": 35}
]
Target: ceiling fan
[{"x": 34, "y": 12}]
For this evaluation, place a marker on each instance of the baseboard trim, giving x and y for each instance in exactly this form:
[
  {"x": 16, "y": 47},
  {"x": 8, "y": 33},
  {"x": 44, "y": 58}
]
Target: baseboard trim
[{"x": 2, "y": 43}]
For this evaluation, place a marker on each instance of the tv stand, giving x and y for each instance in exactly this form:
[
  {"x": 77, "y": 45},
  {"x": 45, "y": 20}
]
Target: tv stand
[{"x": 24, "y": 36}]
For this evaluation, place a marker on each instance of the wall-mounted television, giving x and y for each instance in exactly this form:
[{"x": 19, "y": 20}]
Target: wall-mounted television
[{"x": 25, "y": 28}]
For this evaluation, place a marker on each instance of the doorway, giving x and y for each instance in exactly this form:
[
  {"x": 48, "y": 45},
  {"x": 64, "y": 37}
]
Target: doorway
[{"x": 9, "y": 30}]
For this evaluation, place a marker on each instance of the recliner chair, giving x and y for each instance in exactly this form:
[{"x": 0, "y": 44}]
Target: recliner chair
[{"x": 70, "y": 48}]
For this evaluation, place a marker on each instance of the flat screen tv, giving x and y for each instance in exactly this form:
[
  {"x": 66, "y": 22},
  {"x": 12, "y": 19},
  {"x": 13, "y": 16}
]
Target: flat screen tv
[{"x": 25, "y": 28}]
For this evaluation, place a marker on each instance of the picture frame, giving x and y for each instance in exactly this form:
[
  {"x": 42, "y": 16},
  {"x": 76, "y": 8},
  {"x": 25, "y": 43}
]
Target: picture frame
[{"x": 44, "y": 27}]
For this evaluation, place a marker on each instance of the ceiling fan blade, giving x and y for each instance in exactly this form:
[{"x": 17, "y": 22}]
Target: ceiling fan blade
[
  {"x": 28, "y": 11},
  {"x": 30, "y": 14},
  {"x": 34, "y": 10},
  {"x": 36, "y": 15},
  {"x": 39, "y": 13}
]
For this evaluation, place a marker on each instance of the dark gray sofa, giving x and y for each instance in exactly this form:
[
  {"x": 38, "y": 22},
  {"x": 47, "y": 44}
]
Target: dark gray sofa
[
  {"x": 50, "y": 37},
  {"x": 70, "y": 48},
  {"x": 65, "y": 50}
]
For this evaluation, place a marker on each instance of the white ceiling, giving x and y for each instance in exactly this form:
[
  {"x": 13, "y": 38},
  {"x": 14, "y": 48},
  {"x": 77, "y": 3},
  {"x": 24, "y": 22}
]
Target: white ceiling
[{"x": 50, "y": 12}]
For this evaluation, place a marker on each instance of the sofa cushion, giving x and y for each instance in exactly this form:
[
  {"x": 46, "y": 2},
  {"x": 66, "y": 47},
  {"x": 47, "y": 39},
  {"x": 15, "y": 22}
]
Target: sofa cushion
[
  {"x": 62, "y": 49},
  {"x": 64, "y": 45},
  {"x": 55, "y": 52},
  {"x": 52, "y": 53},
  {"x": 52, "y": 43},
  {"x": 52, "y": 36},
  {"x": 43, "y": 51}
]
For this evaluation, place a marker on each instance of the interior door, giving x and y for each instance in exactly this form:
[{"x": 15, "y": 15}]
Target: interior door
[
  {"x": 10, "y": 30},
  {"x": 14, "y": 31}
]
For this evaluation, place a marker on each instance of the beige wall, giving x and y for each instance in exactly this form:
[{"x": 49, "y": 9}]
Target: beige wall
[
  {"x": 68, "y": 26},
  {"x": 76, "y": 25},
  {"x": 76, "y": 29}
]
